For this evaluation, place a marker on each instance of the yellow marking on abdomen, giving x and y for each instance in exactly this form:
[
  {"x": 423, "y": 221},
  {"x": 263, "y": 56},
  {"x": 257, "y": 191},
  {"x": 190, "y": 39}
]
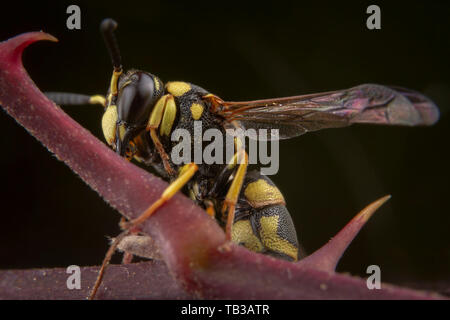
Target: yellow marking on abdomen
[
  {"x": 271, "y": 239},
  {"x": 260, "y": 194},
  {"x": 242, "y": 233}
]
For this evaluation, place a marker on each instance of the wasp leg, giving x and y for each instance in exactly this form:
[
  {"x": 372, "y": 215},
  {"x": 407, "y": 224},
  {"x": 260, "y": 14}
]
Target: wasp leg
[
  {"x": 162, "y": 152},
  {"x": 186, "y": 173},
  {"x": 127, "y": 257},
  {"x": 74, "y": 99},
  {"x": 106, "y": 261},
  {"x": 232, "y": 196},
  {"x": 164, "y": 106},
  {"x": 142, "y": 246}
]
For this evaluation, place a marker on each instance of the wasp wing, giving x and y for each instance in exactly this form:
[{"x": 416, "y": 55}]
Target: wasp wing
[{"x": 367, "y": 103}]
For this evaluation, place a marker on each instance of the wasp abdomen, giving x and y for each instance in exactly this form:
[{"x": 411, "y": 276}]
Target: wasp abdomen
[{"x": 263, "y": 223}]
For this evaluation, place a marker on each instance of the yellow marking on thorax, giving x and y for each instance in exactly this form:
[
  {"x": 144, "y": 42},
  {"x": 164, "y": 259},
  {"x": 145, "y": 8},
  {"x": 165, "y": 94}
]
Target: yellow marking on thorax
[
  {"x": 242, "y": 233},
  {"x": 170, "y": 113},
  {"x": 196, "y": 111},
  {"x": 260, "y": 194},
  {"x": 109, "y": 120},
  {"x": 178, "y": 88},
  {"x": 271, "y": 239}
]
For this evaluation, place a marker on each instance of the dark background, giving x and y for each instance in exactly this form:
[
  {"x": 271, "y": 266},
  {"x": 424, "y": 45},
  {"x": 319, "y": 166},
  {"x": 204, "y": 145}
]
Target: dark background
[{"x": 241, "y": 52}]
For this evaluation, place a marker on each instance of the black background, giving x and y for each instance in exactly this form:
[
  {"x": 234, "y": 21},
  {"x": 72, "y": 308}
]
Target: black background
[{"x": 248, "y": 51}]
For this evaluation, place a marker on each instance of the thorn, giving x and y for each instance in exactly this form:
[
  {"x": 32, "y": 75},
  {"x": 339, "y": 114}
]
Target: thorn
[
  {"x": 368, "y": 211},
  {"x": 327, "y": 257},
  {"x": 12, "y": 48}
]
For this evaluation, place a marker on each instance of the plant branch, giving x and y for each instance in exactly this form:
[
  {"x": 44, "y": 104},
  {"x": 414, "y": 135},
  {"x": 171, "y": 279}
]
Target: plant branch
[{"x": 192, "y": 244}]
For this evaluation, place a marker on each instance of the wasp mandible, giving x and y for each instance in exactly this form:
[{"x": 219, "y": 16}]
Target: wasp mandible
[{"x": 141, "y": 113}]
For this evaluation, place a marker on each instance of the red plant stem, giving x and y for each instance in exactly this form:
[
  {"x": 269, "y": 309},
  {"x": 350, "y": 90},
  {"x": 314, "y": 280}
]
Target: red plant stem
[{"x": 192, "y": 244}]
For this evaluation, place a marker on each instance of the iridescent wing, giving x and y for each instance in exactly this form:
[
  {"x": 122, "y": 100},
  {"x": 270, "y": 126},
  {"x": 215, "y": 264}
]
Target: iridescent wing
[{"x": 367, "y": 103}]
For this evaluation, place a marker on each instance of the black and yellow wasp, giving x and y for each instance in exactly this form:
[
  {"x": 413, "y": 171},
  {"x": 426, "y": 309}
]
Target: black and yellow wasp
[{"x": 141, "y": 112}]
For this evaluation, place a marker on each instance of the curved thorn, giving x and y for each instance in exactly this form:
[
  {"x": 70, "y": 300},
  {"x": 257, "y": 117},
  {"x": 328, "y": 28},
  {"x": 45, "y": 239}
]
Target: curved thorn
[
  {"x": 327, "y": 257},
  {"x": 16, "y": 45}
]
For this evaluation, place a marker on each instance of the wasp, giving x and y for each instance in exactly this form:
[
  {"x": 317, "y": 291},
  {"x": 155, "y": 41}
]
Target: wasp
[{"x": 141, "y": 113}]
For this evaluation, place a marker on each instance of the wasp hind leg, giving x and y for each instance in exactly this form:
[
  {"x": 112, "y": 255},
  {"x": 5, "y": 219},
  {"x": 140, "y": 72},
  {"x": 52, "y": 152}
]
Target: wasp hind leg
[{"x": 106, "y": 261}]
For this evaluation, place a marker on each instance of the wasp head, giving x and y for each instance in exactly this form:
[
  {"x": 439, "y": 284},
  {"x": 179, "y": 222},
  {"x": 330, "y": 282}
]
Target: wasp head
[{"x": 138, "y": 92}]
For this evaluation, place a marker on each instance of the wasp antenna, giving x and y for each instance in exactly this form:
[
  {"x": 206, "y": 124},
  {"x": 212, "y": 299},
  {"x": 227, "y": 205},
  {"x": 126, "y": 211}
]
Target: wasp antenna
[
  {"x": 74, "y": 99},
  {"x": 107, "y": 28},
  {"x": 68, "y": 99}
]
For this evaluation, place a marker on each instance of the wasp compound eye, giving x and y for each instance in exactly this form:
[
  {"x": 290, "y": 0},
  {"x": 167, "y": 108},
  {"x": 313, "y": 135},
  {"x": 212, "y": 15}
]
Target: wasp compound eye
[{"x": 136, "y": 98}]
